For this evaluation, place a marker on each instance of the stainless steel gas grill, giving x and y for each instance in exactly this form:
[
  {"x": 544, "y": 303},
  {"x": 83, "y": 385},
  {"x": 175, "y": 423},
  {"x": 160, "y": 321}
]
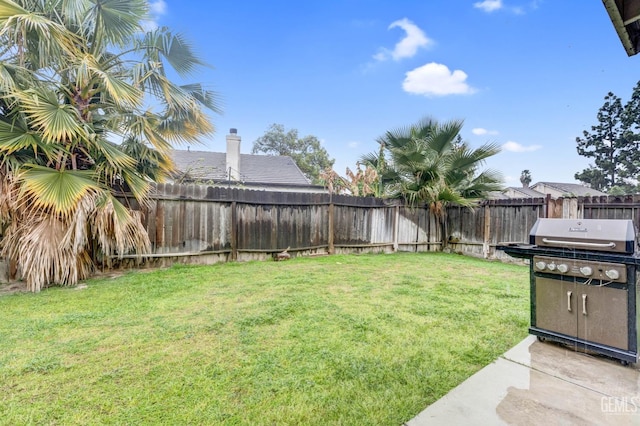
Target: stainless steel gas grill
[{"x": 584, "y": 284}]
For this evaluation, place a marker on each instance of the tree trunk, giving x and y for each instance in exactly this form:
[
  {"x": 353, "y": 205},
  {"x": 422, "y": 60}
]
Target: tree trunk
[{"x": 442, "y": 222}]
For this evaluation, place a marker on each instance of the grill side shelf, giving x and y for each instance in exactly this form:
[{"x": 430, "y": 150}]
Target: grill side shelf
[{"x": 527, "y": 251}]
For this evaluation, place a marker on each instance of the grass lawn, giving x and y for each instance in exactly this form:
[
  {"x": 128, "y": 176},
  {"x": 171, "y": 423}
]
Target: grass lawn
[{"x": 349, "y": 340}]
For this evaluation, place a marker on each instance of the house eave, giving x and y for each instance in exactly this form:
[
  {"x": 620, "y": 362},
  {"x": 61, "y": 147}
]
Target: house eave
[{"x": 625, "y": 16}]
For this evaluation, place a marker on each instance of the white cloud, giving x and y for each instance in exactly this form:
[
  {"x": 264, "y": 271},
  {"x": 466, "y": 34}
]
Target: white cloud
[
  {"x": 493, "y": 5},
  {"x": 156, "y": 9},
  {"x": 516, "y": 147},
  {"x": 407, "y": 47},
  {"x": 353, "y": 144},
  {"x": 148, "y": 25},
  {"x": 381, "y": 56},
  {"x": 488, "y": 5},
  {"x": 436, "y": 80},
  {"x": 480, "y": 131}
]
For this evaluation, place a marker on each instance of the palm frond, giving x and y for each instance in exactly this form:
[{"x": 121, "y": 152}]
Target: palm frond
[
  {"x": 14, "y": 137},
  {"x": 114, "y": 156},
  {"x": 207, "y": 98},
  {"x": 174, "y": 48},
  {"x": 123, "y": 93},
  {"x": 9, "y": 9},
  {"x": 138, "y": 186},
  {"x": 441, "y": 136},
  {"x": 114, "y": 22},
  {"x": 43, "y": 260},
  {"x": 73, "y": 12},
  {"x": 146, "y": 127},
  {"x": 370, "y": 159},
  {"x": 55, "y": 121},
  {"x": 93, "y": 76},
  {"x": 150, "y": 164},
  {"x": 56, "y": 191},
  {"x": 117, "y": 229},
  {"x": 39, "y": 40},
  {"x": 7, "y": 78}
]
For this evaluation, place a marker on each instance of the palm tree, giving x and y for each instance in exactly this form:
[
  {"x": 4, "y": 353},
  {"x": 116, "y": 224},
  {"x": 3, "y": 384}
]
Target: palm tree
[
  {"x": 87, "y": 116},
  {"x": 525, "y": 178},
  {"x": 428, "y": 163}
]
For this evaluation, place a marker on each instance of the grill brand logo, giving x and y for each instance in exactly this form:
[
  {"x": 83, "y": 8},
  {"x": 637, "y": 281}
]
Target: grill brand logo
[
  {"x": 575, "y": 229},
  {"x": 623, "y": 405}
]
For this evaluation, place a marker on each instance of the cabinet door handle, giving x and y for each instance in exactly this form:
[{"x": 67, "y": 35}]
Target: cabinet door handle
[
  {"x": 584, "y": 304},
  {"x": 569, "y": 301}
]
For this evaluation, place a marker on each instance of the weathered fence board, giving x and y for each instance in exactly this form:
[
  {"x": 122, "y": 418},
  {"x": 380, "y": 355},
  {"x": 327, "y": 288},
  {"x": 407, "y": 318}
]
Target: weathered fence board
[
  {"x": 413, "y": 229},
  {"x": 627, "y": 207}
]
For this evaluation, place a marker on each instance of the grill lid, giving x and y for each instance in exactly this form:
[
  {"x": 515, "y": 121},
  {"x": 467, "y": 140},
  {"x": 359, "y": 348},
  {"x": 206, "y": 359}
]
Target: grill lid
[{"x": 605, "y": 235}]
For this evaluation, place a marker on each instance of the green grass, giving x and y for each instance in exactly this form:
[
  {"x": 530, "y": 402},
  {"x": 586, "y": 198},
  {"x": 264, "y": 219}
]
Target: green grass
[{"x": 349, "y": 340}]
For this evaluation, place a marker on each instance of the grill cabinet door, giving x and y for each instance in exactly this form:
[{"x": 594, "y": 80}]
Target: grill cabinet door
[
  {"x": 556, "y": 306},
  {"x": 602, "y": 315}
]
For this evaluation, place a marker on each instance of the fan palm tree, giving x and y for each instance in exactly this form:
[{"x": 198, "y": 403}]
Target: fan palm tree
[
  {"x": 525, "y": 178},
  {"x": 429, "y": 164},
  {"x": 87, "y": 115}
]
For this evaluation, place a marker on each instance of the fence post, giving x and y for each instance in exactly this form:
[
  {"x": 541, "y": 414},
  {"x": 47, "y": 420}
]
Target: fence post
[
  {"x": 396, "y": 226},
  {"x": 330, "y": 243},
  {"x": 487, "y": 232},
  {"x": 570, "y": 208},
  {"x": 234, "y": 231}
]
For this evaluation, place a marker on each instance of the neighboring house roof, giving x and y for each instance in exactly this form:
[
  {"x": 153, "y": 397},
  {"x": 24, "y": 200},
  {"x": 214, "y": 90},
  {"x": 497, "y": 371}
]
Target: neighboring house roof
[
  {"x": 520, "y": 192},
  {"x": 567, "y": 188},
  {"x": 256, "y": 169}
]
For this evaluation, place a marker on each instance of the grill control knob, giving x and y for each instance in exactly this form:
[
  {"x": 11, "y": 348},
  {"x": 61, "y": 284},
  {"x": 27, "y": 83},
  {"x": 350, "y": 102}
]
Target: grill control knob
[
  {"x": 562, "y": 268},
  {"x": 541, "y": 265},
  {"x": 612, "y": 274},
  {"x": 586, "y": 271},
  {"x": 551, "y": 266}
]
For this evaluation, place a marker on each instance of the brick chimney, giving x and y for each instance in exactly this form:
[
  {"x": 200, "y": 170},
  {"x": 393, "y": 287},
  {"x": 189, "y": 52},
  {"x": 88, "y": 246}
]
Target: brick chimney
[{"x": 233, "y": 155}]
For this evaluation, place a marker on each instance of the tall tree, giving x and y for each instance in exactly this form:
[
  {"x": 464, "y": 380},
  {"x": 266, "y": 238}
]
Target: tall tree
[
  {"x": 525, "y": 178},
  {"x": 307, "y": 152},
  {"x": 613, "y": 144},
  {"x": 429, "y": 164},
  {"x": 595, "y": 178},
  {"x": 87, "y": 113}
]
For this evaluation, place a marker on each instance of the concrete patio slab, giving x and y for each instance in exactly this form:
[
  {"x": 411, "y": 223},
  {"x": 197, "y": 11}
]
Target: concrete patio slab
[{"x": 539, "y": 383}]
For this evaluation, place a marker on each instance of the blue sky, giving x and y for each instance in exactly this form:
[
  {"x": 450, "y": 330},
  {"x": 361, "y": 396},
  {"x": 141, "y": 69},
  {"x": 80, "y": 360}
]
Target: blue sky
[{"x": 527, "y": 75}]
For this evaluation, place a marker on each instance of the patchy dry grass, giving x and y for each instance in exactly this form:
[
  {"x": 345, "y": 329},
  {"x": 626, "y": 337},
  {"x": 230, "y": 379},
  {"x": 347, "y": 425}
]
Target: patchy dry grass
[{"x": 354, "y": 340}]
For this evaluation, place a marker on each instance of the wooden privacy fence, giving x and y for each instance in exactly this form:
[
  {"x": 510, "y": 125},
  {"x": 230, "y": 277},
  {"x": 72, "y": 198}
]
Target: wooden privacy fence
[
  {"x": 206, "y": 224},
  {"x": 209, "y": 224}
]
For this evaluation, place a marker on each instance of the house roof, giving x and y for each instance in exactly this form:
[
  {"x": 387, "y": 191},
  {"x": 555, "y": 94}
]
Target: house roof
[
  {"x": 526, "y": 192},
  {"x": 257, "y": 169},
  {"x": 625, "y": 16},
  {"x": 571, "y": 188}
]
